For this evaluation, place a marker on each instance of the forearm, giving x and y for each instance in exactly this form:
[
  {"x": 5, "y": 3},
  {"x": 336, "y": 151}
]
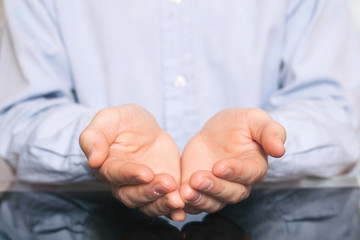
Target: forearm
[
  {"x": 40, "y": 140},
  {"x": 319, "y": 143},
  {"x": 40, "y": 120},
  {"x": 319, "y": 80}
]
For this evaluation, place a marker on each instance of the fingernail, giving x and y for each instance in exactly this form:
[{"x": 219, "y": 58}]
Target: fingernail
[
  {"x": 160, "y": 189},
  {"x": 227, "y": 173},
  {"x": 194, "y": 196},
  {"x": 205, "y": 185}
]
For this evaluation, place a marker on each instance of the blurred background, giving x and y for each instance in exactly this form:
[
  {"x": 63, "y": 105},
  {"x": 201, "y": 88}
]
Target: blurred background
[
  {"x": 355, "y": 9},
  {"x": 6, "y": 174}
]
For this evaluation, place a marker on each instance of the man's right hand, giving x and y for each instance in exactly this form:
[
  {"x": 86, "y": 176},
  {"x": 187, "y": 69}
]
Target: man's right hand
[{"x": 141, "y": 162}]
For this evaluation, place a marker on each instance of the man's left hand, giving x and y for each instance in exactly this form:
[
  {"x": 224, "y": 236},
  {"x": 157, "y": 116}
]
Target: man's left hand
[{"x": 221, "y": 163}]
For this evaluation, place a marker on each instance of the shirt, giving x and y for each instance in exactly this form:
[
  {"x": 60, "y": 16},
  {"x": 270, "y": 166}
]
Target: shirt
[{"x": 62, "y": 61}]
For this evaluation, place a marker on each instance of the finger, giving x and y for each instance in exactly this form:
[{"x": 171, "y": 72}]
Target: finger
[
  {"x": 267, "y": 132},
  {"x": 178, "y": 215},
  {"x": 245, "y": 171},
  {"x": 164, "y": 206},
  {"x": 98, "y": 175},
  {"x": 139, "y": 195},
  {"x": 122, "y": 172},
  {"x": 221, "y": 189},
  {"x": 192, "y": 210},
  {"x": 95, "y": 145},
  {"x": 99, "y": 135},
  {"x": 201, "y": 203}
]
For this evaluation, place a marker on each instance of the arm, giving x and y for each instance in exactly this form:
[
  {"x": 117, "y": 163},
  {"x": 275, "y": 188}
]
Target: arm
[
  {"x": 320, "y": 67},
  {"x": 40, "y": 121},
  {"x": 222, "y": 162}
]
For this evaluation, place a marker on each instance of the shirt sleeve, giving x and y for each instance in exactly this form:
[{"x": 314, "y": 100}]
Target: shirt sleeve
[
  {"x": 40, "y": 120},
  {"x": 320, "y": 77}
]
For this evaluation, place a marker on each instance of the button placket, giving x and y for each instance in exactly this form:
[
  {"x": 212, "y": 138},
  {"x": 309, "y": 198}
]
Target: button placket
[{"x": 179, "y": 113}]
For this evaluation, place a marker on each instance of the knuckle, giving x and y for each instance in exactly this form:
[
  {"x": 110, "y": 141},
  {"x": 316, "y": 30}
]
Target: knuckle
[
  {"x": 146, "y": 211},
  {"x": 260, "y": 174},
  {"x": 217, "y": 207},
  {"x": 104, "y": 172},
  {"x": 242, "y": 194},
  {"x": 161, "y": 208},
  {"x": 147, "y": 195},
  {"x": 130, "y": 204},
  {"x": 262, "y": 178},
  {"x": 114, "y": 191},
  {"x": 246, "y": 195},
  {"x": 234, "y": 199},
  {"x": 257, "y": 176},
  {"x": 200, "y": 203},
  {"x": 125, "y": 199},
  {"x": 99, "y": 175},
  {"x": 219, "y": 188},
  {"x": 156, "y": 209}
]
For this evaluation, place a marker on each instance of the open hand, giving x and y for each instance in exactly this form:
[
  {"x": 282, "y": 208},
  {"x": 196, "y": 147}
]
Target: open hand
[
  {"x": 222, "y": 162},
  {"x": 128, "y": 149}
]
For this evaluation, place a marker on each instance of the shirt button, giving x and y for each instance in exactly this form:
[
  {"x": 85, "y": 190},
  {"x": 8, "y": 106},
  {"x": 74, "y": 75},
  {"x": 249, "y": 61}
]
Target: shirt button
[
  {"x": 176, "y": 1},
  {"x": 180, "y": 81}
]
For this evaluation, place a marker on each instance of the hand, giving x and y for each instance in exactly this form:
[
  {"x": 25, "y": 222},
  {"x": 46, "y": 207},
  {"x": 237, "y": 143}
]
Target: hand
[
  {"x": 221, "y": 163},
  {"x": 128, "y": 149}
]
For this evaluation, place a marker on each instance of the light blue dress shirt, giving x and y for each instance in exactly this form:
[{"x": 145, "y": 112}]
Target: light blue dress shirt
[{"x": 184, "y": 61}]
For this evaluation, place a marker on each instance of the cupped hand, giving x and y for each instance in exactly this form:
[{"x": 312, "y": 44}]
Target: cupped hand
[
  {"x": 128, "y": 149},
  {"x": 220, "y": 164}
]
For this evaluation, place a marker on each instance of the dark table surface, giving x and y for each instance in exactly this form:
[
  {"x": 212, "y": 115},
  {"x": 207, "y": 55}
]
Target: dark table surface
[{"x": 88, "y": 211}]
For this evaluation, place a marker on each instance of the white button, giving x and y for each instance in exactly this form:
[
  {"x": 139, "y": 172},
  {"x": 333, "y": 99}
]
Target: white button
[
  {"x": 180, "y": 81},
  {"x": 176, "y": 1}
]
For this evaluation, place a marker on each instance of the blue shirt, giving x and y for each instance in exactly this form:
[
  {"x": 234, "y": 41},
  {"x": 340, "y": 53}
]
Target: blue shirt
[{"x": 62, "y": 61}]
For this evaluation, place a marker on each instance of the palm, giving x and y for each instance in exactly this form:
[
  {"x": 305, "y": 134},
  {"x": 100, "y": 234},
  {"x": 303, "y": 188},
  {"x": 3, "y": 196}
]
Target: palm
[
  {"x": 129, "y": 150},
  {"x": 226, "y": 136},
  {"x": 141, "y": 140},
  {"x": 205, "y": 150},
  {"x": 159, "y": 153},
  {"x": 227, "y": 156}
]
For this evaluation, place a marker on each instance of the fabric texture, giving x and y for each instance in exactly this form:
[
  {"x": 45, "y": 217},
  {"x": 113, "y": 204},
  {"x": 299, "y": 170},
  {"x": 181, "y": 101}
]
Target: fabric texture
[{"x": 62, "y": 61}]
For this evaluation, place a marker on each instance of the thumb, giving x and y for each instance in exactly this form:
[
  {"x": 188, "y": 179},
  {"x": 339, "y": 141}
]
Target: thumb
[
  {"x": 269, "y": 134},
  {"x": 96, "y": 139}
]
